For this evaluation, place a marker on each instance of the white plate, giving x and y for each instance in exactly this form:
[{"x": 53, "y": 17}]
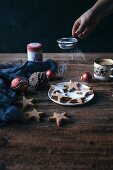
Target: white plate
[{"x": 84, "y": 88}]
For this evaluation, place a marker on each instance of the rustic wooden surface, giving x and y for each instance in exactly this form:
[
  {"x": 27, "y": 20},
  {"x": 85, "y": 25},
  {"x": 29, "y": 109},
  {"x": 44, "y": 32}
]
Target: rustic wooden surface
[{"x": 86, "y": 143}]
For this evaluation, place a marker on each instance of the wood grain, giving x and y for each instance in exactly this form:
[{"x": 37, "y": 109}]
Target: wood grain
[{"x": 85, "y": 143}]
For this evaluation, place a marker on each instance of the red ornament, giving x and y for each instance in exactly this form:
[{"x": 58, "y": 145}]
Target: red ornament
[
  {"x": 86, "y": 77},
  {"x": 19, "y": 84},
  {"x": 50, "y": 74}
]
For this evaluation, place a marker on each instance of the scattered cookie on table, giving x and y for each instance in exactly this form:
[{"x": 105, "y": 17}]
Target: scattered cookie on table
[
  {"x": 27, "y": 102},
  {"x": 59, "y": 118},
  {"x": 34, "y": 114}
]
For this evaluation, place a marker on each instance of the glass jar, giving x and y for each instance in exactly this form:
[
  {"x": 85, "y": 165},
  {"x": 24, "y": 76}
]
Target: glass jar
[{"x": 34, "y": 52}]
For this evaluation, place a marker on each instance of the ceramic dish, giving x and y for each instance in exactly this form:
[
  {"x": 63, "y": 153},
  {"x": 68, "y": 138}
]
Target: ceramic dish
[{"x": 74, "y": 94}]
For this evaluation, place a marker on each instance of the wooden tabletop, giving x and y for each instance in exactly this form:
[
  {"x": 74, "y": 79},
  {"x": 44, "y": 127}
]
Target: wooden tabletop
[{"x": 85, "y": 143}]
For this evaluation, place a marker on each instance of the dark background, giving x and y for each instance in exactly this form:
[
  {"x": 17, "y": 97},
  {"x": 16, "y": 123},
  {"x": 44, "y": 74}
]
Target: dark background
[{"x": 25, "y": 21}]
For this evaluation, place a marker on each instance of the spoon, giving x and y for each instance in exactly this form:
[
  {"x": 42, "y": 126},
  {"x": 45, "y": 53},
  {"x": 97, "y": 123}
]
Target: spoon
[{"x": 67, "y": 43}]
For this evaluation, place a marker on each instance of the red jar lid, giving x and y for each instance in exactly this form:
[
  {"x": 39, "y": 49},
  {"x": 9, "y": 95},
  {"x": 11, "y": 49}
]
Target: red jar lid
[{"x": 34, "y": 47}]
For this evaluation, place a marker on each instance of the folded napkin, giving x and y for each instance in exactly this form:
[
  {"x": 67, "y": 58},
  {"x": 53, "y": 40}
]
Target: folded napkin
[{"x": 8, "y": 111}]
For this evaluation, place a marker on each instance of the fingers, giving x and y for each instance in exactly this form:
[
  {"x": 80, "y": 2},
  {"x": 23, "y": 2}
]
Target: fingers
[
  {"x": 75, "y": 27},
  {"x": 81, "y": 28},
  {"x": 78, "y": 28}
]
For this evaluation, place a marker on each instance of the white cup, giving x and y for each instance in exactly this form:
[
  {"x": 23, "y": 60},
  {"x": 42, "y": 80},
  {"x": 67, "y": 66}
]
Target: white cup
[{"x": 103, "y": 69}]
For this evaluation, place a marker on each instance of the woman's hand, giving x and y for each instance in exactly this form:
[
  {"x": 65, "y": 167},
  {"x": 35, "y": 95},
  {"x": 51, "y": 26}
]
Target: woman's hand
[{"x": 85, "y": 24}]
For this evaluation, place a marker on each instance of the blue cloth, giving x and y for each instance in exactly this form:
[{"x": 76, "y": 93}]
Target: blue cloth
[{"x": 8, "y": 111}]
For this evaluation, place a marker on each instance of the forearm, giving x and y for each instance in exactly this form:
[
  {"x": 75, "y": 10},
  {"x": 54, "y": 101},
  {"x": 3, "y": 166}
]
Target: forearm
[{"x": 103, "y": 8}]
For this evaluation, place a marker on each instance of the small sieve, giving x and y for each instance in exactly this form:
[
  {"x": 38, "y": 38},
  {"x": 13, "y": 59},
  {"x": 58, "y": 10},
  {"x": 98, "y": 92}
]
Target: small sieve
[{"x": 67, "y": 43}]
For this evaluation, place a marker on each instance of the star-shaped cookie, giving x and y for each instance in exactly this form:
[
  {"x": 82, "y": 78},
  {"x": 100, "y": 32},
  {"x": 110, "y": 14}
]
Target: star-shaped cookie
[
  {"x": 71, "y": 86},
  {"x": 26, "y": 102},
  {"x": 34, "y": 114},
  {"x": 60, "y": 98},
  {"x": 59, "y": 118}
]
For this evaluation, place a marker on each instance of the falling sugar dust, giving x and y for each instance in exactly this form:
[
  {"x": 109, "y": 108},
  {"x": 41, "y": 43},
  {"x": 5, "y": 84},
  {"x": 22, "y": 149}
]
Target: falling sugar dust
[{"x": 74, "y": 55}]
